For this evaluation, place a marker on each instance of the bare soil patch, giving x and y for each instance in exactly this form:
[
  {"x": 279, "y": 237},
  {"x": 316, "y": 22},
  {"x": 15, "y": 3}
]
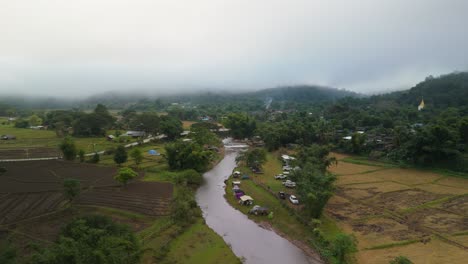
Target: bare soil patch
[
  {"x": 344, "y": 210},
  {"x": 404, "y": 199},
  {"x": 457, "y": 205},
  {"x": 149, "y": 198},
  {"x": 33, "y": 188},
  {"x": 438, "y": 220},
  {"x": 37, "y": 176},
  {"x": 378, "y": 231},
  {"x": 18, "y": 206},
  {"x": 29, "y": 153}
]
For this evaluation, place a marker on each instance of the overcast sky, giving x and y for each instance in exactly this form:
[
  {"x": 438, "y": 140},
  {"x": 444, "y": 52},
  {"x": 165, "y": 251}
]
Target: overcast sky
[{"x": 89, "y": 46}]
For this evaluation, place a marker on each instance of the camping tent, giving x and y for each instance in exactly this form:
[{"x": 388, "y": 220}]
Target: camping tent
[
  {"x": 153, "y": 152},
  {"x": 245, "y": 200}
]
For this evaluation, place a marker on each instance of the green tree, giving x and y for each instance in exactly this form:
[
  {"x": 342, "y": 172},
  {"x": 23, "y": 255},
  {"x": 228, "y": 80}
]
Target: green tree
[
  {"x": 35, "y": 120},
  {"x": 171, "y": 127},
  {"x": 317, "y": 155},
  {"x": 137, "y": 156},
  {"x": 314, "y": 187},
  {"x": 22, "y": 123},
  {"x": 120, "y": 155},
  {"x": 187, "y": 155},
  {"x": 343, "y": 246},
  {"x": 241, "y": 125},
  {"x": 81, "y": 155},
  {"x": 253, "y": 158},
  {"x": 71, "y": 189},
  {"x": 124, "y": 175},
  {"x": 401, "y": 260},
  {"x": 95, "y": 158},
  {"x": 188, "y": 177},
  {"x": 68, "y": 148},
  {"x": 7, "y": 252},
  {"x": 92, "y": 239},
  {"x": 204, "y": 136},
  {"x": 184, "y": 207},
  {"x": 147, "y": 122}
]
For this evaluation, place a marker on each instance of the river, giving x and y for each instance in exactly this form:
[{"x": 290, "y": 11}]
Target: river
[{"x": 248, "y": 240}]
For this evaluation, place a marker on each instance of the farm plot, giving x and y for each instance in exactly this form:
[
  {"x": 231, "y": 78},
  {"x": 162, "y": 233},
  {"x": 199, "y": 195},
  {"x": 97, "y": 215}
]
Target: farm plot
[
  {"x": 149, "y": 198},
  {"x": 33, "y": 188},
  {"x": 394, "y": 211},
  {"x": 18, "y": 206},
  {"x": 29, "y": 153},
  {"x": 37, "y": 176}
]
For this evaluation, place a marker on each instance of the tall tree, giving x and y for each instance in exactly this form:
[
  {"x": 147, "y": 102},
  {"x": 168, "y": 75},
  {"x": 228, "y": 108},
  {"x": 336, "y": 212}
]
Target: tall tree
[
  {"x": 314, "y": 187},
  {"x": 68, "y": 148},
  {"x": 241, "y": 125},
  {"x": 120, "y": 155},
  {"x": 171, "y": 127},
  {"x": 187, "y": 155}
]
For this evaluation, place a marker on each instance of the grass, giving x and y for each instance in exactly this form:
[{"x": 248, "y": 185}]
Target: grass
[
  {"x": 284, "y": 219},
  {"x": 166, "y": 242},
  {"x": 199, "y": 244},
  {"x": 366, "y": 161},
  {"x": 31, "y": 138},
  {"x": 396, "y": 244}
]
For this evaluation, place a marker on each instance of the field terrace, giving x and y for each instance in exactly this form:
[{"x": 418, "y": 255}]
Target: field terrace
[{"x": 394, "y": 211}]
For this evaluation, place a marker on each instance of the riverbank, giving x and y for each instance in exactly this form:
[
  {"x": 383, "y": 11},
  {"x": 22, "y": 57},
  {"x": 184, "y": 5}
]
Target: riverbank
[
  {"x": 247, "y": 239},
  {"x": 167, "y": 242},
  {"x": 286, "y": 221}
]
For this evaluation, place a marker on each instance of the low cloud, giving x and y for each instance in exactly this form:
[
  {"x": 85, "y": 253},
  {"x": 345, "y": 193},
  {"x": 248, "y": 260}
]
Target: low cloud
[{"x": 78, "y": 48}]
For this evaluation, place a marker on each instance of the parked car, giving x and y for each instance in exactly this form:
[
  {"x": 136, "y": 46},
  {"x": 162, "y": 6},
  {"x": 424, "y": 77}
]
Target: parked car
[
  {"x": 282, "y": 195},
  {"x": 287, "y": 168},
  {"x": 293, "y": 199},
  {"x": 286, "y": 173},
  {"x": 281, "y": 177},
  {"x": 258, "y": 210},
  {"x": 289, "y": 184},
  {"x": 236, "y": 183}
]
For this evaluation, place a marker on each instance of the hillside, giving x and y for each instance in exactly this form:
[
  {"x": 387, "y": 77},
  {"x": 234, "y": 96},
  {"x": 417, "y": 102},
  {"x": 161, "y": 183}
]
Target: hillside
[
  {"x": 450, "y": 90},
  {"x": 304, "y": 93}
]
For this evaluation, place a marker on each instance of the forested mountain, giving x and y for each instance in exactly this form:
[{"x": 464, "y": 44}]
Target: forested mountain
[
  {"x": 304, "y": 94},
  {"x": 450, "y": 90}
]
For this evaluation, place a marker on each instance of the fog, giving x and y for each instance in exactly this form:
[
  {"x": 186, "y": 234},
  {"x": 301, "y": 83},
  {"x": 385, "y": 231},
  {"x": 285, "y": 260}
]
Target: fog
[{"x": 80, "y": 48}]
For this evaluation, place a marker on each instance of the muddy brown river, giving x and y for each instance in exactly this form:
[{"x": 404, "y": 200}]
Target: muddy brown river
[{"x": 249, "y": 241}]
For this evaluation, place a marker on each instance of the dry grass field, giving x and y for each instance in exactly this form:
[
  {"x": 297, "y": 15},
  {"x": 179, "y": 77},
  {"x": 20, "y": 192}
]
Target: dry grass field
[{"x": 393, "y": 211}]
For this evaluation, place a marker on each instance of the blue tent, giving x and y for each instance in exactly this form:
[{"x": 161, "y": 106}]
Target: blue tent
[{"x": 153, "y": 152}]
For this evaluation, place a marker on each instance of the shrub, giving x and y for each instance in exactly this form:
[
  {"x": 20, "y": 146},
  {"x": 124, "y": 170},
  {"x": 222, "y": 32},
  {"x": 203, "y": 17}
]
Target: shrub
[
  {"x": 124, "y": 175},
  {"x": 401, "y": 260}
]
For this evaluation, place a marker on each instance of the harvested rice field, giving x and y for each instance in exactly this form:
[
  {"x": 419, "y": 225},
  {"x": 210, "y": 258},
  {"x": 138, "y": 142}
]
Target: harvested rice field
[{"x": 393, "y": 211}]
